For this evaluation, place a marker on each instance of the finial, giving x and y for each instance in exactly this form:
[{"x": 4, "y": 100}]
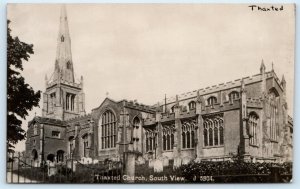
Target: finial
[
  {"x": 198, "y": 96},
  {"x": 177, "y": 101},
  {"x": 106, "y": 94},
  {"x": 165, "y": 103},
  {"x": 283, "y": 78},
  {"x": 243, "y": 85},
  {"x": 262, "y": 66},
  {"x": 272, "y": 66}
]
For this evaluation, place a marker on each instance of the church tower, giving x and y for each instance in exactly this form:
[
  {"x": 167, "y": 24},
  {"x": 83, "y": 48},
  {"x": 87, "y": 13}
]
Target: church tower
[{"x": 64, "y": 97}]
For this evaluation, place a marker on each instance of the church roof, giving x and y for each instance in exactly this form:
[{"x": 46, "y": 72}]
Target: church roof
[{"x": 45, "y": 120}]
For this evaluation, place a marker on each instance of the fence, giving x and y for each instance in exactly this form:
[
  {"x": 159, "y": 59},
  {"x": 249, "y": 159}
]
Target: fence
[
  {"x": 70, "y": 171},
  {"x": 74, "y": 171}
]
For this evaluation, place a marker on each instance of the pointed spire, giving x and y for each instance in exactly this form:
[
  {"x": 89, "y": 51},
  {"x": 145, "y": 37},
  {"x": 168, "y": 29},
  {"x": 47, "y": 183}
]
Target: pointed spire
[
  {"x": 63, "y": 61},
  {"x": 272, "y": 67},
  {"x": 262, "y": 67}
]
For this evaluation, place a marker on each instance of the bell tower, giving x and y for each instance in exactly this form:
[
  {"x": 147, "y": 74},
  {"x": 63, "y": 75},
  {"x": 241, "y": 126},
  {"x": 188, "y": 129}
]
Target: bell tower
[{"x": 64, "y": 97}]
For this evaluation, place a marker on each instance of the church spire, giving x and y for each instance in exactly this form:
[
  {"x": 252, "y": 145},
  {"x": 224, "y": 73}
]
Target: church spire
[{"x": 63, "y": 62}]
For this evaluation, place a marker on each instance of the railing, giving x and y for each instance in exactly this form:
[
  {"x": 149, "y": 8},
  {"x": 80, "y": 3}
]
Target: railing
[{"x": 69, "y": 171}]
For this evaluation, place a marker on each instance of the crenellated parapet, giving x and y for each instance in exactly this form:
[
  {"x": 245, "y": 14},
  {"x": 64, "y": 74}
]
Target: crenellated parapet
[{"x": 255, "y": 102}]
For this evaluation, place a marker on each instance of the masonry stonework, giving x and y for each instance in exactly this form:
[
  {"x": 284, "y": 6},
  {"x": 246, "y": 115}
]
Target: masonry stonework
[{"x": 245, "y": 118}]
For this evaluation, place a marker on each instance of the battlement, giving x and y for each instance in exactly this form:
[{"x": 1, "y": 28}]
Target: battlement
[
  {"x": 53, "y": 83},
  {"x": 149, "y": 121},
  {"x": 222, "y": 86},
  {"x": 138, "y": 106},
  {"x": 256, "y": 102},
  {"x": 80, "y": 118},
  {"x": 45, "y": 120}
]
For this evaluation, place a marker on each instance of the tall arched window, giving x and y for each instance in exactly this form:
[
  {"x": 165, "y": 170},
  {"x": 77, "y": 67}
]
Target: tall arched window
[
  {"x": 168, "y": 137},
  {"x": 71, "y": 144},
  {"x": 150, "y": 140},
  {"x": 192, "y": 105},
  {"x": 233, "y": 96},
  {"x": 188, "y": 134},
  {"x": 35, "y": 129},
  {"x": 52, "y": 102},
  {"x": 85, "y": 145},
  {"x": 60, "y": 156},
  {"x": 274, "y": 130},
  {"x": 213, "y": 131},
  {"x": 253, "y": 128},
  {"x": 108, "y": 130},
  {"x": 70, "y": 102},
  {"x": 136, "y": 134},
  {"x": 211, "y": 100}
]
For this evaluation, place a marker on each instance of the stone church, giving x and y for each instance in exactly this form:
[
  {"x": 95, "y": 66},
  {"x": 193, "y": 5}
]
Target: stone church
[{"x": 245, "y": 118}]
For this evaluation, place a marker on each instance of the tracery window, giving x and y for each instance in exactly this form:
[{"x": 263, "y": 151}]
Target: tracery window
[
  {"x": 273, "y": 116},
  {"x": 253, "y": 128},
  {"x": 35, "y": 129},
  {"x": 168, "y": 136},
  {"x": 150, "y": 140},
  {"x": 212, "y": 100},
  {"x": 52, "y": 102},
  {"x": 70, "y": 102},
  {"x": 136, "y": 133},
  {"x": 192, "y": 105},
  {"x": 85, "y": 144},
  {"x": 188, "y": 134},
  {"x": 108, "y": 130},
  {"x": 233, "y": 96},
  {"x": 213, "y": 131}
]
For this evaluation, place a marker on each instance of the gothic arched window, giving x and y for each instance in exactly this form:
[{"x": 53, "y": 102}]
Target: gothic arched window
[
  {"x": 108, "y": 130},
  {"x": 136, "y": 133},
  {"x": 168, "y": 137},
  {"x": 192, "y": 105},
  {"x": 211, "y": 100},
  {"x": 188, "y": 136},
  {"x": 85, "y": 144},
  {"x": 253, "y": 128},
  {"x": 150, "y": 140},
  {"x": 35, "y": 129},
  {"x": 213, "y": 131},
  {"x": 233, "y": 96},
  {"x": 273, "y": 104}
]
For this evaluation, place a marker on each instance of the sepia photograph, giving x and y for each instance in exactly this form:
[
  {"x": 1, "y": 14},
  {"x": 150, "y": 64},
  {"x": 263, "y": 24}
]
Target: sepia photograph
[{"x": 150, "y": 93}]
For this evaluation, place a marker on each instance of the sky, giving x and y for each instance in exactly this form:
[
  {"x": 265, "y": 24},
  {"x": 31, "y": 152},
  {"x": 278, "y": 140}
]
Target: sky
[{"x": 143, "y": 52}]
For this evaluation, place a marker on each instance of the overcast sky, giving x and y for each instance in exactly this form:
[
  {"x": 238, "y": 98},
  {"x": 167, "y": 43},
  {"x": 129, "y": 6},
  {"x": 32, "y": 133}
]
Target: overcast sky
[{"x": 145, "y": 51}]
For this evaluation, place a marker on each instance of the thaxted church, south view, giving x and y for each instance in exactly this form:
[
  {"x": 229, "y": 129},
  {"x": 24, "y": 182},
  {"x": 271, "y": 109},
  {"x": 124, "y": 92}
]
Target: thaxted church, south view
[{"x": 245, "y": 118}]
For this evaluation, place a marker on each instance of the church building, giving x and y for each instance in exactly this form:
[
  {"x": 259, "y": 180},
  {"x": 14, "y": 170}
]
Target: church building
[{"x": 246, "y": 118}]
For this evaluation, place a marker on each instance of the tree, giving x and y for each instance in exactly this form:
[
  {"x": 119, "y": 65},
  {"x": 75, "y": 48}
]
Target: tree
[{"x": 21, "y": 98}]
